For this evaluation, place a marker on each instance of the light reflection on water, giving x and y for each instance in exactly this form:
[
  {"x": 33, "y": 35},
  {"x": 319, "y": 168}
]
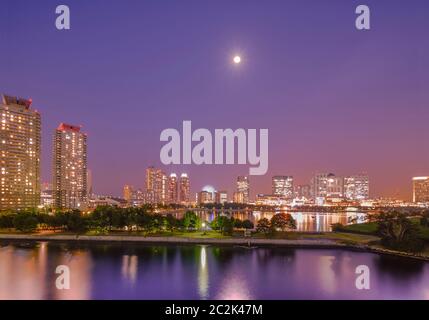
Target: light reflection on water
[
  {"x": 101, "y": 271},
  {"x": 203, "y": 275},
  {"x": 305, "y": 221}
]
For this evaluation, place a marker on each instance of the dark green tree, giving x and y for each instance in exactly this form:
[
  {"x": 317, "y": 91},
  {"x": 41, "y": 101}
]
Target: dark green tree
[
  {"x": 6, "y": 221},
  {"x": 424, "y": 218},
  {"x": 263, "y": 226},
  {"x": 25, "y": 222},
  {"x": 282, "y": 221},
  {"x": 237, "y": 223},
  {"x": 223, "y": 224},
  {"x": 247, "y": 224},
  {"x": 172, "y": 222},
  {"x": 398, "y": 232},
  {"x": 191, "y": 221}
]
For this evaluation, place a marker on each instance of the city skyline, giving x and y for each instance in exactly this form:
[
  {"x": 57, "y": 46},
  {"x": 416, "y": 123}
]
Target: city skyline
[
  {"x": 370, "y": 115},
  {"x": 70, "y": 161}
]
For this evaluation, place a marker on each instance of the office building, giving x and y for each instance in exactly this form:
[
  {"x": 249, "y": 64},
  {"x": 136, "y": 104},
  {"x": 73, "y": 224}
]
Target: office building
[
  {"x": 327, "y": 185},
  {"x": 282, "y": 186},
  {"x": 221, "y": 197},
  {"x": 356, "y": 187},
  {"x": 421, "y": 189}
]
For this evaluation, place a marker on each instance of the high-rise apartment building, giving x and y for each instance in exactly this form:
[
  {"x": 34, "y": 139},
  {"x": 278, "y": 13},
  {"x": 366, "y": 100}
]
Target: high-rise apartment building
[
  {"x": 421, "y": 189},
  {"x": 184, "y": 189},
  {"x": 156, "y": 185},
  {"x": 172, "y": 188},
  {"x": 19, "y": 154},
  {"x": 70, "y": 167},
  {"x": 150, "y": 179},
  {"x": 356, "y": 187},
  {"x": 283, "y": 186},
  {"x": 243, "y": 186}
]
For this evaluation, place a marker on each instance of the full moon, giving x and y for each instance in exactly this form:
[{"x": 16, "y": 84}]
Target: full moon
[{"x": 237, "y": 59}]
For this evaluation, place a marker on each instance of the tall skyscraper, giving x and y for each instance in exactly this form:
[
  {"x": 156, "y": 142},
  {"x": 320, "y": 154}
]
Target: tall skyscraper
[
  {"x": 172, "y": 188},
  {"x": 156, "y": 185},
  {"x": 70, "y": 168},
  {"x": 283, "y": 186},
  {"x": 421, "y": 189},
  {"x": 356, "y": 187},
  {"x": 243, "y": 186},
  {"x": 184, "y": 189},
  {"x": 19, "y": 154}
]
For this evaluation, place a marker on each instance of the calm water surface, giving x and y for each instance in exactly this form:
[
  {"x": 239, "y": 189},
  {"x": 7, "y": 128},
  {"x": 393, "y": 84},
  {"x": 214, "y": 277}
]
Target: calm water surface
[{"x": 99, "y": 271}]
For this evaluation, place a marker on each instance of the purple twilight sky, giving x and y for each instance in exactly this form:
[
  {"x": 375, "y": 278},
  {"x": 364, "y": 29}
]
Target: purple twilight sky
[{"x": 334, "y": 98}]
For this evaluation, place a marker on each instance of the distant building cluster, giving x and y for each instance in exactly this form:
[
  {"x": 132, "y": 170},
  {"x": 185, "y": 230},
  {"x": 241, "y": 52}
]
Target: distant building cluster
[
  {"x": 159, "y": 189},
  {"x": 323, "y": 188},
  {"x": 327, "y": 186}
]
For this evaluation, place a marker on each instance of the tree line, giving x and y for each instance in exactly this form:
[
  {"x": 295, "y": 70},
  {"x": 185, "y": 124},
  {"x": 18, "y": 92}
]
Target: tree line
[{"x": 107, "y": 219}]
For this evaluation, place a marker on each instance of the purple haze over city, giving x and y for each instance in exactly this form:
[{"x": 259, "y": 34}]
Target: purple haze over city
[{"x": 333, "y": 98}]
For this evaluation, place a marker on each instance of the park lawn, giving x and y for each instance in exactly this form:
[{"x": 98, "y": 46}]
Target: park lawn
[
  {"x": 278, "y": 235},
  {"x": 179, "y": 234},
  {"x": 194, "y": 235},
  {"x": 424, "y": 233},
  {"x": 370, "y": 228},
  {"x": 363, "y": 228},
  {"x": 343, "y": 237}
]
